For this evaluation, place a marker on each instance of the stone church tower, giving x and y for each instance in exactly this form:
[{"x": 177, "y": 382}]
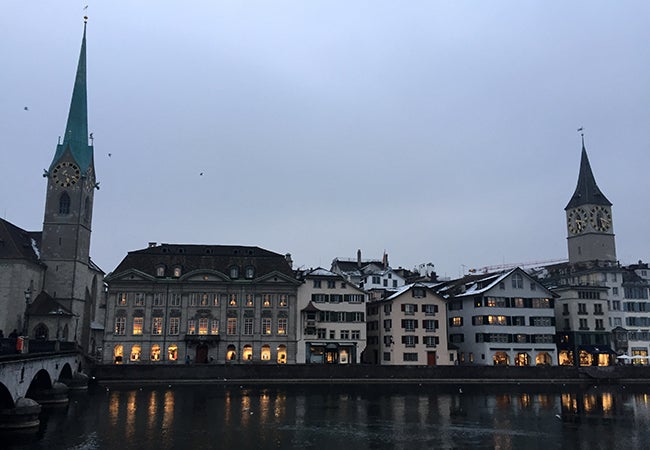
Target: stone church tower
[
  {"x": 71, "y": 279},
  {"x": 590, "y": 231}
]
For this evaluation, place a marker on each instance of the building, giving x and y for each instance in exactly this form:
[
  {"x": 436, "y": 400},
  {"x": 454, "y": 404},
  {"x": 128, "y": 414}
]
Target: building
[
  {"x": 375, "y": 277},
  {"x": 408, "y": 328},
  {"x": 505, "y": 318},
  {"x": 201, "y": 303},
  {"x": 49, "y": 287},
  {"x": 331, "y": 322},
  {"x": 602, "y": 309}
]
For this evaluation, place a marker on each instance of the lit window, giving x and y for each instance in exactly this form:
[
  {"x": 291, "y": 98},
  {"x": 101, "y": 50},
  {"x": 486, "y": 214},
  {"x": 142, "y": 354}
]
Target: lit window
[
  {"x": 174, "y": 325},
  {"x": 177, "y": 272},
  {"x": 231, "y": 353},
  {"x": 266, "y": 301},
  {"x": 456, "y": 321},
  {"x": 265, "y": 354},
  {"x": 249, "y": 300},
  {"x": 250, "y": 272},
  {"x": 157, "y": 325},
  {"x": 203, "y": 325},
  {"x": 155, "y": 352},
  {"x": 282, "y": 325},
  {"x": 282, "y": 354},
  {"x": 172, "y": 352},
  {"x": 247, "y": 353},
  {"x": 214, "y": 326},
  {"x": 191, "y": 326},
  {"x": 266, "y": 325},
  {"x": 120, "y": 325},
  {"x": 233, "y": 300},
  {"x": 137, "y": 325},
  {"x": 232, "y": 326},
  {"x": 205, "y": 300},
  {"x": 122, "y": 299},
  {"x": 118, "y": 353},
  {"x": 135, "y": 353},
  {"x": 160, "y": 271}
]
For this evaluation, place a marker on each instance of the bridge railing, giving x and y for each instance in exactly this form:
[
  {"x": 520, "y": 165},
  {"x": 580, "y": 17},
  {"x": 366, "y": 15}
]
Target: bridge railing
[{"x": 13, "y": 346}]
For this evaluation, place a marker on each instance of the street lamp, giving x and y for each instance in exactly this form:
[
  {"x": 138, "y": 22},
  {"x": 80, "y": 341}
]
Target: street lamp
[{"x": 28, "y": 296}]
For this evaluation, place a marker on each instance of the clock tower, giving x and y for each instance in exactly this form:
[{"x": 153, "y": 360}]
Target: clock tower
[
  {"x": 590, "y": 231},
  {"x": 65, "y": 244}
]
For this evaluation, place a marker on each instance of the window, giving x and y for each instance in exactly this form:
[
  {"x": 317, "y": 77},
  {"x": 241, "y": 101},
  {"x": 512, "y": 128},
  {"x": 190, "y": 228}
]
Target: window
[
  {"x": 174, "y": 325},
  {"x": 385, "y": 283},
  {"x": 203, "y": 325},
  {"x": 418, "y": 292},
  {"x": 409, "y": 340},
  {"x": 158, "y": 300},
  {"x": 120, "y": 325},
  {"x": 409, "y": 308},
  {"x": 194, "y": 299},
  {"x": 430, "y": 325},
  {"x": 583, "y": 324},
  {"x": 614, "y": 291},
  {"x": 410, "y": 357},
  {"x": 250, "y": 272},
  {"x": 139, "y": 299},
  {"x": 122, "y": 299},
  {"x": 599, "y": 324},
  {"x": 160, "y": 271},
  {"x": 172, "y": 352},
  {"x": 248, "y": 326},
  {"x": 232, "y": 326},
  {"x": 388, "y": 308},
  {"x": 155, "y": 352},
  {"x": 345, "y": 334},
  {"x": 320, "y": 332},
  {"x": 266, "y": 300},
  {"x": 282, "y": 301},
  {"x": 388, "y": 323},
  {"x": 137, "y": 326},
  {"x": 135, "y": 353},
  {"x": 205, "y": 299},
  {"x": 64, "y": 203},
  {"x": 431, "y": 341},
  {"x": 565, "y": 309},
  {"x": 215, "y": 300},
  {"x": 266, "y": 325},
  {"x": 336, "y": 298},
  {"x": 191, "y": 326},
  {"x": 282, "y": 325},
  {"x": 214, "y": 326},
  {"x": 317, "y": 284},
  {"x": 176, "y": 300},
  {"x": 157, "y": 325},
  {"x": 177, "y": 272},
  {"x": 598, "y": 309},
  {"x": 386, "y": 356},
  {"x": 331, "y": 284},
  {"x": 456, "y": 322},
  {"x": 233, "y": 300},
  {"x": 249, "y": 300},
  {"x": 332, "y": 334},
  {"x": 394, "y": 283},
  {"x": 409, "y": 324},
  {"x": 234, "y": 272},
  {"x": 430, "y": 310},
  {"x": 376, "y": 280},
  {"x": 616, "y": 305},
  {"x": 356, "y": 335},
  {"x": 541, "y": 303},
  {"x": 353, "y": 298},
  {"x": 319, "y": 298},
  {"x": 582, "y": 308},
  {"x": 265, "y": 353},
  {"x": 517, "y": 281}
]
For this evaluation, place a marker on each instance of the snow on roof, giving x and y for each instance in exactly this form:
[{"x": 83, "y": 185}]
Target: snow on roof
[
  {"x": 319, "y": 271},
  {"x": 482, "y": 285}
]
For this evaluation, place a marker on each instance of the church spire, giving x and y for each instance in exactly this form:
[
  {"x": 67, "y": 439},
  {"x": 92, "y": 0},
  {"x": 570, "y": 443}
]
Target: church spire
[
  {"x": 75, "y": 138},
  {"x": 587, "y": 191}
]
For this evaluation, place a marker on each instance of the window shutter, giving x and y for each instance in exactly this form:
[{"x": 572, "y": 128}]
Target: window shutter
[
  {"x": 417, "y": 339},
  {"x": 435, "y": 324},
  {"x": 435, "y": 309},
  {"x": 415, "y": 308},
  {"x": 403, "y": 306},
  {"x": 416, "y": 323}
]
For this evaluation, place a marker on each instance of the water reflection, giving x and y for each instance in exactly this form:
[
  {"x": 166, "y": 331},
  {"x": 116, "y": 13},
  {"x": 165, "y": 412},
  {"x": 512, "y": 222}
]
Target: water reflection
[{"x": 361, "y": 417}]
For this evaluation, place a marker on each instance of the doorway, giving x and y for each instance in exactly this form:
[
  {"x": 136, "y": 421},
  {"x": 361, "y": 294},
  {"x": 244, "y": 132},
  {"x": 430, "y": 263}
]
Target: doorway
[{"x": 201, "y": 354}]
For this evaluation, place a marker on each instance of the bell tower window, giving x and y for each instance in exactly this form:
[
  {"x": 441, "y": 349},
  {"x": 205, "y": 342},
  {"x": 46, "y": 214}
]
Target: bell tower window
[{"x": 64, "y": 203}]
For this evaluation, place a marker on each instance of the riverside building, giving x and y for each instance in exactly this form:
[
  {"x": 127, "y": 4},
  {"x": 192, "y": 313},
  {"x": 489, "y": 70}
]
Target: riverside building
[{"x": 178, "y": 303}]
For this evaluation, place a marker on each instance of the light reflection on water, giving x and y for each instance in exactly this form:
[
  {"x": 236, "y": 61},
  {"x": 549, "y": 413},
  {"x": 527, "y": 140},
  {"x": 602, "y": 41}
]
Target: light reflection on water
[{"x": 348, "y": 416}]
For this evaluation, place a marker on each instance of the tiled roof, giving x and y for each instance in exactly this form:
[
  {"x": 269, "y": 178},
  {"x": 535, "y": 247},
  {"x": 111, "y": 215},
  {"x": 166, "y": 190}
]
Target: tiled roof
[
  {"x": 44, "y": 305},
  {"x": 16, "y": 243},
  {"x": 192, "y": 257}
]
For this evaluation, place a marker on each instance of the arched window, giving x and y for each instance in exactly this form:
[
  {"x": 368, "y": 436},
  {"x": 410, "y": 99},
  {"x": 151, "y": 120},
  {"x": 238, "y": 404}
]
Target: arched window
[
  {"x": 266, "y": 353},
  {"x": 155, "y": 352},
  {"x": 172, "y": 352},
  {"x": 282, "y": 354},
  {"x": 118, "y": 353},
  {"x": 501, "y": 359},
  {"x": 248, "y": 353},
  {"x": 231, "y": 353},
  {"x": 522, "y": 359},
  {"x": 41, "y": 332},
  {"x": 543, "y": 359},
  {"x": 135, "y": 353},
  {"x": 64, "y": 203},
  {"x": 234, "y": 272}
]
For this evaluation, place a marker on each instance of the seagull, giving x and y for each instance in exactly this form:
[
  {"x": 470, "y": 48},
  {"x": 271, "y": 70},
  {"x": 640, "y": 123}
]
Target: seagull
[
  {"x": 201, "y": 174},
  {"x": 110, "y": 154},
  {"x": 580, "y": 129},
  {"x": 85, "y": 7},
  {"x": 26, "y": 108}
]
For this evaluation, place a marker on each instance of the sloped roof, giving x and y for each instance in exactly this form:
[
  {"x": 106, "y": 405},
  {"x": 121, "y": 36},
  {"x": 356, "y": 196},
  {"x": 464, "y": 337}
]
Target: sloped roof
[
  {"x": 192, "y": 257},
  {"x": 44, "y": 305},
  {"x": 16, "y": 243},
  {"x": 587, "y": 191}
]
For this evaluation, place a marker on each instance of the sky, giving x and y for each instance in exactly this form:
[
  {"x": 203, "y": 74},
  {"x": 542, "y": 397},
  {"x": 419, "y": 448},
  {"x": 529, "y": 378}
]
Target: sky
[{"x": 441, "y": 132}]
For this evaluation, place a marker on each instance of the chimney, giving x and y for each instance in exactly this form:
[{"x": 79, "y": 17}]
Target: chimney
[
  {"x": 359, "y": 258},
  {"x": 289, "y": 260},
  {"x": 152, "y": 244},
  {"x": 385, "y": 260}
]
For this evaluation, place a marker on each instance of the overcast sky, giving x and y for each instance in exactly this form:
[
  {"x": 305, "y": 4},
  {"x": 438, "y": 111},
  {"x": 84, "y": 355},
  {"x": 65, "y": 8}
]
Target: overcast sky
[{"x": 441, "y": 132}]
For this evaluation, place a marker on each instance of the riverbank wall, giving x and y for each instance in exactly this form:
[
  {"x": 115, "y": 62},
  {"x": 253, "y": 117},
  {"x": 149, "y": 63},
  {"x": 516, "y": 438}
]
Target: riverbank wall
[{"x": 309, "y": 373}]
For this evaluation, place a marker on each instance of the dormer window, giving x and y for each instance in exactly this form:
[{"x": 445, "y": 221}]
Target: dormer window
[
  {"x": 177, "y": 272},
  {"x": 250, "y": 272},
  {"x": 160, "y": 271},
  {"x": 234, "y": 272}
]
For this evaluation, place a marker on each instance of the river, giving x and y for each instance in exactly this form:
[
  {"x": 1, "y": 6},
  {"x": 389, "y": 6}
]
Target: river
[{"x": 341, "y": 417}]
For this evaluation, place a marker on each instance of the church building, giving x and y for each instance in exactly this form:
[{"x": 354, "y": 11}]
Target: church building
[{"x": 50, "y": 289}]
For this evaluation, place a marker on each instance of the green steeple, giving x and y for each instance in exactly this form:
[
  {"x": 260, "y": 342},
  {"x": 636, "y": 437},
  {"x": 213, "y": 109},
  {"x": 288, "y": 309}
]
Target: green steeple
[
  {"x": 76, "y": 131},
  {"x": 587, "y": 191}
]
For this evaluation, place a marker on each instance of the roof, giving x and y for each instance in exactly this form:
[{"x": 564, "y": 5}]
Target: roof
[
  {"x": 320, "y": 272},
  {"x": 75, "y": 138},
  {"x": 16, "y": 243},
  {"x": 192, "y": 257},
  {"x": 587, "y": 191},
  {"x": 44, "y": 305}
]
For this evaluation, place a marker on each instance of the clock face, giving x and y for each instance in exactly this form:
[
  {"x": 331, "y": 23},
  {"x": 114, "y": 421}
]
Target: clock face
[
  {"x": 577, "y": 221},
  {"x": 66, "y": 174},
  {"x": 601, "y": 218}
]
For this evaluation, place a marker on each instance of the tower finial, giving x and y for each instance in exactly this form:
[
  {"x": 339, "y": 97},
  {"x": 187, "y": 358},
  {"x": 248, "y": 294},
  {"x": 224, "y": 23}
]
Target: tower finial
[{"x": 582, "y": 135}]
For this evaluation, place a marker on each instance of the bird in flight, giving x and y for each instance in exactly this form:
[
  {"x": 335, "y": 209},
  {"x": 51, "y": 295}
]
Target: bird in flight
[
  {"x": 26, "y": 108},
  {"x": 110, "y": 154}
]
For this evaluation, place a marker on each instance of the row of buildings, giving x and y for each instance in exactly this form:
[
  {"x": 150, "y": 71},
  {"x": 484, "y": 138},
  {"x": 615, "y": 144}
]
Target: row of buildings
[{"x": 175, "y": 303}]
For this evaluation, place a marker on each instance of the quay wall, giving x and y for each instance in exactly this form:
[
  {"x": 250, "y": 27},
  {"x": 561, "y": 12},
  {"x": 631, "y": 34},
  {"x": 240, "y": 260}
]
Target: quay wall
[{"x": 362, "y": 373}]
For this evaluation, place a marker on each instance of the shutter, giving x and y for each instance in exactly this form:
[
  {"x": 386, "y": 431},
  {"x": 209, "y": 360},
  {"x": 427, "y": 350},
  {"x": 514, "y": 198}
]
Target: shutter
[
  {"x": 417, "y": 339},
  {"x": 403, "y": 323},
  {"x": 415, "y": 308},
  {"x": 435, "y": 309},
  {"x": 416, "y": 323},
  {"x": 403, "y": 306},
  {"x": 435, "y": 324}
]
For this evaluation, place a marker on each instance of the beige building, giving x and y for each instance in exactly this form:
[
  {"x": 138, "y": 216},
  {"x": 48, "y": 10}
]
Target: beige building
[
  {"x": 201, "y": 303},
  {"x": 408, "y": 328},
  {"x": 331, "y": 316}
]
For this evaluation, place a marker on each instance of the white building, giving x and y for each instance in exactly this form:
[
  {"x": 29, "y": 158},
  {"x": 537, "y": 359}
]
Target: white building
[{"x": 331, "y": 319}]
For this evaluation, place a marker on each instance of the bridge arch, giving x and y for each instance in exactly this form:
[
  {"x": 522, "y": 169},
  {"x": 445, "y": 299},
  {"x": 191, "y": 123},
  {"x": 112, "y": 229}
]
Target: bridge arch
[
  {"x": 40, "y": 381},
  {"x": 66, "y": 372},
  {"x": 6, "y": 399}
]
